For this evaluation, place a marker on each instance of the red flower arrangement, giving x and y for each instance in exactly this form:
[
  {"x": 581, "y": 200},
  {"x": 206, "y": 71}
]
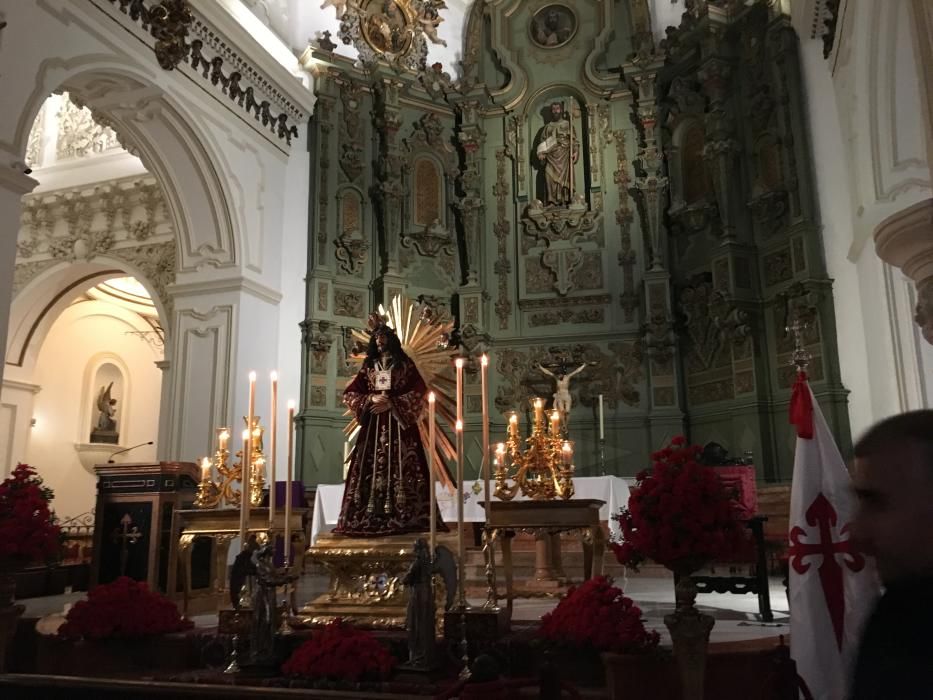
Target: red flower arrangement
[
  {"x": 340, "y": 652},
  {"x": 28, "y": 532},
  {"x": 598, "y": 616},
  {"x": 679, "y": 514},
  {"x": 123, "y": 608}
]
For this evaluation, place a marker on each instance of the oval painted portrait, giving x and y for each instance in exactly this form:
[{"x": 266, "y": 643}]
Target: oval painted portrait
[
  {"x": 553, "y": 26},
  {"x": 386, "y": 27}
]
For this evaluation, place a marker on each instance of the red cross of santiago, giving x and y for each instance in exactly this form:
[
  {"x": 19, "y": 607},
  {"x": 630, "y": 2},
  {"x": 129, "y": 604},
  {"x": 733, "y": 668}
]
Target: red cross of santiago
[{"x": 823, "y": 516}]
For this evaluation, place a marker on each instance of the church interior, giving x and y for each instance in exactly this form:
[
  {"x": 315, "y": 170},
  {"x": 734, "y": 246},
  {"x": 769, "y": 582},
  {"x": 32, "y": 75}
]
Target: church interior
[{"x": 451, "y": 281}]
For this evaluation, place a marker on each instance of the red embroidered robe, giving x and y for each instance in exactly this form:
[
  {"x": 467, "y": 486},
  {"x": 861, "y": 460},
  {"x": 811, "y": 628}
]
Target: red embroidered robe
[{"x": 387, "y": 486}]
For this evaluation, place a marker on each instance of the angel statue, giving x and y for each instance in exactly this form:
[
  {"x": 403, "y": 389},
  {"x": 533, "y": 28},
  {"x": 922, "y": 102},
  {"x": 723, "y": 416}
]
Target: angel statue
[
  {"x": 387, "y": 484},
  {"x": 430, "y": 19},
  {"x": 106, "y": 428},
  {"x": 562, "y": 399}
]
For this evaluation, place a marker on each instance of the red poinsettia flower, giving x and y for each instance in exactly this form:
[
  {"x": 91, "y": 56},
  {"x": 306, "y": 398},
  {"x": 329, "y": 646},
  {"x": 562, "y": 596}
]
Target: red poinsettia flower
[
  {"x": 340, "y": 652},
  {"x": 679, "y": 514},
  {"x": 596, "y": 615},
  {"x": 123, "y": 608},
  {"x": 28, "y": 530}
]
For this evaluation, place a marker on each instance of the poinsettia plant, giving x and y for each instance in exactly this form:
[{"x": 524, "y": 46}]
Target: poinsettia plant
[
  {"x": 121, "y": 609},
  {"x": 679, "y": 514},
  {"x": 340, "y": 652},
  {"x": 596, "y": 615},
  {"x": 28, "y": 529}
]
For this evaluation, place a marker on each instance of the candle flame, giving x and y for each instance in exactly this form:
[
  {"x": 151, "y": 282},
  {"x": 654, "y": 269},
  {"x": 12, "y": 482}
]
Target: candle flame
[
  {"x": 246, "y": 435},
  {"x": 205, "y": 463},
  {"x": 459, "y": 363},
  {"x": 555, "y": 416},
  {"x": 459, "y": 425},
  {"x": 291, "y": 404},
  {"x": 224, "y": 434},
  {"x": 539, "y": 403},
  {"x": 252, "y": 377},
  {"x": 500, "y": 448},
  {"x": 513, "y": 418},
  {"x": 484, "y": 360},
  {"x": 274, "y": 376},
  {"x": 431, "y": 397}
]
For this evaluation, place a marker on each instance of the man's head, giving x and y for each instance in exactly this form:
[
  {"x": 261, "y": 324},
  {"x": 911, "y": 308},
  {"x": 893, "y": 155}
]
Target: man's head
[
  {"x": 893, "y": 479},
  {"x": 384, "y": 340},
  {"x": 557, "y": 109}
]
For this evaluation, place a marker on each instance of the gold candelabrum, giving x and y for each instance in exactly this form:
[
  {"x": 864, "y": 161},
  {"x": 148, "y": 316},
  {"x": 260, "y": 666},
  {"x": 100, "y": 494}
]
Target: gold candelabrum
[
  {"x": 543, "y": 470},
  {"x": 213, "y": 494}
]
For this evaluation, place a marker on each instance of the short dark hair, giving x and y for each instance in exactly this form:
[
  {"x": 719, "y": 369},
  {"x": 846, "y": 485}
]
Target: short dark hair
[{"x": 913, "y": 426}]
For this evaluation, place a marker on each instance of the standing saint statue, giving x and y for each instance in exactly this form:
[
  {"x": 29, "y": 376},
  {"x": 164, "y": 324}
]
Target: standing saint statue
[
  {"x": 557, "y": 151},
  {"x": 562, "y": 398},
  {"x": 387, "y": 485}
]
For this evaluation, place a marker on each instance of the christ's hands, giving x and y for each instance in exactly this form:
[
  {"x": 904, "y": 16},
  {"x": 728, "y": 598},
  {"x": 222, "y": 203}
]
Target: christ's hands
[{"x": 380, "y": 403}]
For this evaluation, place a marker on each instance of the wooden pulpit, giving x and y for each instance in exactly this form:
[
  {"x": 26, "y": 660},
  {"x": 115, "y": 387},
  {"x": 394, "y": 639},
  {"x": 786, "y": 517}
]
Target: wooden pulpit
[{"x": 136, "y": 503}]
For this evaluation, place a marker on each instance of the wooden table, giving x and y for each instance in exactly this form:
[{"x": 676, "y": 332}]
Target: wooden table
[{"x": 551, "y": 518}]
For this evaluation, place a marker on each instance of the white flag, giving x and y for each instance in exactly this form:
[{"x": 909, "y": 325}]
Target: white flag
[{"x": 832, "y": 589}]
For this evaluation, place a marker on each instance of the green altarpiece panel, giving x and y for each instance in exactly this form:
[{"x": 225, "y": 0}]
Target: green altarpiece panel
[{"x": 578, "y": 196}]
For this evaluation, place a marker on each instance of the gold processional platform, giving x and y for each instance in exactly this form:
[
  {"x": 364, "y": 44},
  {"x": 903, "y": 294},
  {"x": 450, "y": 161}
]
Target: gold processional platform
[{"x": 367, "y": 579}]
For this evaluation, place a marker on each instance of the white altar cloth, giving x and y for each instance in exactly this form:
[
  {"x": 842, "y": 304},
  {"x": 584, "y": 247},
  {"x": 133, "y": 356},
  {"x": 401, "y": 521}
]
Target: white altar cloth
[{"x": 611, "y": 489}]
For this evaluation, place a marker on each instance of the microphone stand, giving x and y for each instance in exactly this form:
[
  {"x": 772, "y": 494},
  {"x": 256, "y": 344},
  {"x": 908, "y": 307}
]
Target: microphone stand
[{"x": 127, "y": 449}]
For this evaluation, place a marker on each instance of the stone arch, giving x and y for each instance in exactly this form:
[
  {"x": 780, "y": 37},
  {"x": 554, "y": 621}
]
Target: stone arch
[
  {"x": 36, "y": 307},
  {"x": 166, "y": 137}
]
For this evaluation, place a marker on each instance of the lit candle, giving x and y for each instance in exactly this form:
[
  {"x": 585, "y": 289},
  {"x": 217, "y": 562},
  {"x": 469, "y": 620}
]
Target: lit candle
[
  {"x": 289, "y": 466},
  {"x": 244, "y": 489},
  {"x": 566, "y": 452},
  {"x": 539, "y": 413},
  {"x": 555, "y": 422},
  {"x": 602, "y": 431},
  {"x": 431, "y": 484},
  {"x": 205, "y": 469},
  {"x": 461, "y": 542},
  {"x": 272, "y": 419},
  {"x": 222, "y": 439},
  {"x": 513, "y": 425},
  {"x": 484, "y": 370}
]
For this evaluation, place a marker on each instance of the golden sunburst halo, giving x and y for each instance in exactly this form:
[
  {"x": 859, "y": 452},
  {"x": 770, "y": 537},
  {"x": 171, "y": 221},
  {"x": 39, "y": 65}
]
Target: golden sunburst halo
[{"x": 424, "y": 336}]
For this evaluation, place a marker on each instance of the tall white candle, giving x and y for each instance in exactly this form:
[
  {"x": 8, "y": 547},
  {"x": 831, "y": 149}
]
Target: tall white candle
[
  {"x": 484, "y": 383},
  {"x": 273, "y": 419},
  {"x": 602, "y": 430},
  {"x": 431, "y": 482},
  {"x": 205, "y": 469},
  {"x": 459, "y": 364},
  {"x": 244, "y": 489},
  {"x": 461, "y": 542},
  {"x": 289, "y": 468}
]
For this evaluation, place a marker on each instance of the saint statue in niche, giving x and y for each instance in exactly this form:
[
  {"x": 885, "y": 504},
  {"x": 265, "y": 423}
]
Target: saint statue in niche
[
  {"x": 557, "y": 150},
  {"x": 386, "y": 27},
  {"x": 106, "y": 429},
  {"x": 553, "y": 26}
]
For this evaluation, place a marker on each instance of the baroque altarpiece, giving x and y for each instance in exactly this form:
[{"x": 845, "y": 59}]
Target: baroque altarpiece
[{"x": 579, "y": 193}]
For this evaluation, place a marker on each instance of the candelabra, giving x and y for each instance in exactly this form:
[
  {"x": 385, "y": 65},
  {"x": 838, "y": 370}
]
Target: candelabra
[
  {"x": 211, "y": 493},
  {"x": 544, "y": 469}
]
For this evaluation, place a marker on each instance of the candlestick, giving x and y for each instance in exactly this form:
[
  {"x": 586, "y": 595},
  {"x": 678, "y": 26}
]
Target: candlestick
[
  {"x": 244, "y": 489},
  {"x": 461, "y": 542},
  {"x": 539, "y": 413},
  {"x": 288, "y": 482},
  {"x": 602, "y": 432},
  {"x": 205, "y": 469},
  {"x": 274, "y": 377},
  {"x": 431, "y": 484},
  {"x": 566, "y": 452},
  {"x": 513, "y": 425},
  {"x": 247, "y": 468}
]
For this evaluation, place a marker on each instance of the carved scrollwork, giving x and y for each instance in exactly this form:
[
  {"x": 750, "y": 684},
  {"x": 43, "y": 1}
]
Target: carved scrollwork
[
  {"x": 431, "y": 242},
  {"x": 351, "y": 251},
  {"x": 559, "y": 224}
]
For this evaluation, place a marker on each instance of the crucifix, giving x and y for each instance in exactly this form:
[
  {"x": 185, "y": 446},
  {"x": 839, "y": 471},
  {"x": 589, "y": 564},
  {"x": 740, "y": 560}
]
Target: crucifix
[{"x": 125, "y": 537}]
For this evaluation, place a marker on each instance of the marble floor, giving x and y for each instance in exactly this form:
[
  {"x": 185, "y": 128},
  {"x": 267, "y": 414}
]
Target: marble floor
[{"x": 737, "y": 618}]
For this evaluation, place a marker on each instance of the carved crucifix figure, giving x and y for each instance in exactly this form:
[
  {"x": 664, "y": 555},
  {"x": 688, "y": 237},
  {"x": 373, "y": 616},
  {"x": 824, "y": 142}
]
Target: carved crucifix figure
[{"x": 562, "y": 398}]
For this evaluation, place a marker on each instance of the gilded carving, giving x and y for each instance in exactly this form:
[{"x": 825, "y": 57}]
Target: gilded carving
[
  {"x": 777, "y": 266},
  {"x": 348, "y": 303},
  {"x": 322, "y": 296},
  {"x": 502, "y": 227},
  {"x": 553, "y": 318}
]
